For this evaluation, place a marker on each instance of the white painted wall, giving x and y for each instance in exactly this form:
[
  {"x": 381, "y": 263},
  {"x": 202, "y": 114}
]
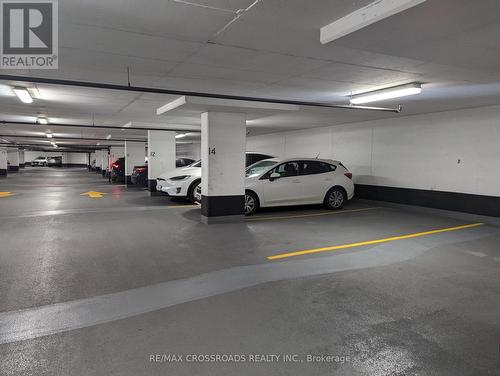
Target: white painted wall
[{"x": 419, "y": 152}]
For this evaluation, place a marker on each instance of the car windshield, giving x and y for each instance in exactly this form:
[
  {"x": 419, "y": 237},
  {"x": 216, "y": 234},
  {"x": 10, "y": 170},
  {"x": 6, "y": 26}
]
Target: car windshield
[{"x": 258, "y": 168}]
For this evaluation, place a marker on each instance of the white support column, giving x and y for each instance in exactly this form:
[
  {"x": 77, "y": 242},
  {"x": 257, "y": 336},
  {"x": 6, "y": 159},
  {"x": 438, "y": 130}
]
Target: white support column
[
  {"x": 135, "y": 153},
  {"x": 223, "y": 144},
  {"x": 98, "y": 161},
  {"x": 13, "y": 158},
  {"x": 64, "y": 159},
  {"x": 3, "y": 162},
  {"x": 104, "y": 162},
  {"x": 92, "y": 158},
  {"x": 161, "y": 155},
  {"x": 21, "y": 159}
]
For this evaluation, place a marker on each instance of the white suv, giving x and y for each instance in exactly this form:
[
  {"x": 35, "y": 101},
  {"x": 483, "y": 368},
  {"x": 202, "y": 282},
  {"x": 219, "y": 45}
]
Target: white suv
[
  {"x": 40, "y": 161},
  {"x": 184, "y": 182},
  {"x": 297, "y": 181}
]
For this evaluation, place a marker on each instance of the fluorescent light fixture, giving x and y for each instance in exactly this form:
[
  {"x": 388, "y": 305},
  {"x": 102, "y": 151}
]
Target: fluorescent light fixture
[
  {"x": 23, "y": 94},
  {"x": 43, "y": 120},
  {"x": 363, "y": 17},
  {"x": 180, "y": 135},
  {"x": 49, "y": 135},
  {"x": 98, "y": 144},
  {"x": 108, "y": 137},
  {"x": 389, "y": 93},
  {"x": 127, "y": 125}
]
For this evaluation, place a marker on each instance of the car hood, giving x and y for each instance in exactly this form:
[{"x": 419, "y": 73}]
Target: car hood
[{"x": 192, "y": 171}]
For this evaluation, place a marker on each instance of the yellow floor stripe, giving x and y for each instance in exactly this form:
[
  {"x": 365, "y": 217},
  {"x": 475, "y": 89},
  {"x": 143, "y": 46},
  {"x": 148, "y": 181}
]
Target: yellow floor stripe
[
  {"x": 370, "y": 242},
  {"x": 264, "y": 218}
]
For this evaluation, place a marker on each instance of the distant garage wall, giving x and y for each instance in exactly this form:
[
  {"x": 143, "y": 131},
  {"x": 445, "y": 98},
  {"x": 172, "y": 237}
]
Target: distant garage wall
[
  {"x": 68, "y": 159},
  {"x": 191, "y": 150},
  {"x": 447, "y": 160}
]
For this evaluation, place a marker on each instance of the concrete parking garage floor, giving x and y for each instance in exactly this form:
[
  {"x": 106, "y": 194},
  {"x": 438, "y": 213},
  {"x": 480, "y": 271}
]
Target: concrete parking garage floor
[{"x": 126, "y": 284}]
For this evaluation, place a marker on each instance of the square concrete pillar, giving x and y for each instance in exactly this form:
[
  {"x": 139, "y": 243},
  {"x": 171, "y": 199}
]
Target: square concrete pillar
[
  {"x": 135, "y": 153},
  {"x": 161, "y": 155},
  {"x": 3, "y": 162},
  {"x": 98, "y": 160},
  {"x": 21, "y": 159},
  {"x": 105, "y": 162},
  {"x": 13, "y": 158},
  {"x": 223, "y": 144}
]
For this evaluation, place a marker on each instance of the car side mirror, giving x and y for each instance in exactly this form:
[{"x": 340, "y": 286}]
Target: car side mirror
[{"x": 274, "y": 176}]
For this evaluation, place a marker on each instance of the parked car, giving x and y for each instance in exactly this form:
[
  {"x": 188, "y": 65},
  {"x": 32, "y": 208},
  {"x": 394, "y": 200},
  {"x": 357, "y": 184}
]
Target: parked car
[
  {"x": 54, "y": 161},
  {"x": 304, "y": 181},
  {"x": 140, "y": 173},
  {"x": 183, "y": 182},
  {"x": 117, "y": 172},
  {"x": 39, "y": 161}
]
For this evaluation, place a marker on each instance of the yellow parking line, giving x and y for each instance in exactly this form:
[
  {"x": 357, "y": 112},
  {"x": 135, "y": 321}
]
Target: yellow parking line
[
  {"x": 370, "y": 242},
  {"x": 264, "y": 218}
]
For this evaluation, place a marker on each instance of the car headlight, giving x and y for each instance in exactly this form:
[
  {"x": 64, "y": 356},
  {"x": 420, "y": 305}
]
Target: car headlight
[{"x": 182, "y": 177}]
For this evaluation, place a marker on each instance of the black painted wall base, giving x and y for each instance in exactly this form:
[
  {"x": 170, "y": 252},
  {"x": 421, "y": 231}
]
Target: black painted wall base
[
  {"x": 128, "y": 180},
  {"x": 3, "y": 172},
  {"x": 461, "y": 202},
  {"x": 222, "y": 206},
  {"x": 13, "y": 168},
  {"x": 97, "y": 169},
  {"x": 21, "y": 165},
  {"x": 74, "y": 165}
]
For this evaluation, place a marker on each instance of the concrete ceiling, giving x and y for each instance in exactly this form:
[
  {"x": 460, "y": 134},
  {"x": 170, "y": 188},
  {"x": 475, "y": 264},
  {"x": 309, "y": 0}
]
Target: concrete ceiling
[{"x": 271, "y": 50}]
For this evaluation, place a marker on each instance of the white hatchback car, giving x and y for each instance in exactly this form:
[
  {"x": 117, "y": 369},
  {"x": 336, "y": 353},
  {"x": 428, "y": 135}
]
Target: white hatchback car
[{"x": 297, "y": 181}]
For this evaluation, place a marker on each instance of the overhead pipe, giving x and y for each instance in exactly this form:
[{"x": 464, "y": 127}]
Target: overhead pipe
[
  {"x": 6, "y": 122},
  {"x": 73, "y": 138},
  {"x": 153, "y": 90},
  {"x": 82, "y": 148}
]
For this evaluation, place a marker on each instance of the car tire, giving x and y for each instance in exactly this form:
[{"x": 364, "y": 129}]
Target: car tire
[
  {"x": 335, "y": 199},
  {"x": 192, "y": 195},
  {"x": 251, "y": 203}
]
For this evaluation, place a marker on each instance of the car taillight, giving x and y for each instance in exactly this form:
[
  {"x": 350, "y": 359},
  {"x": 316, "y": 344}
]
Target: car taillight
[
  {"x": 349, "y": 175},
  {"x": 115, "y": 165}
]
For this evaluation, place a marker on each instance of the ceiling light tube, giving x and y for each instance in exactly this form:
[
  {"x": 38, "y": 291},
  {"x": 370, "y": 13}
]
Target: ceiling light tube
[
  {"x": 180, "y": 135},
  {"x": 389, "y": 93},
  {"x": 23, "y": 94},
  {"x": 108, "y": 137},
  {"x": 43, "y": 120},
  {"x": 49, "y": 135}
]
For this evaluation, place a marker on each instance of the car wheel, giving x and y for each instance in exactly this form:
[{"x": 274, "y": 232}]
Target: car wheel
[
  {"x": 195, "y": 192},
  {"x": 251, "y": 203},
  {"x": 335, "y": 199}
]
